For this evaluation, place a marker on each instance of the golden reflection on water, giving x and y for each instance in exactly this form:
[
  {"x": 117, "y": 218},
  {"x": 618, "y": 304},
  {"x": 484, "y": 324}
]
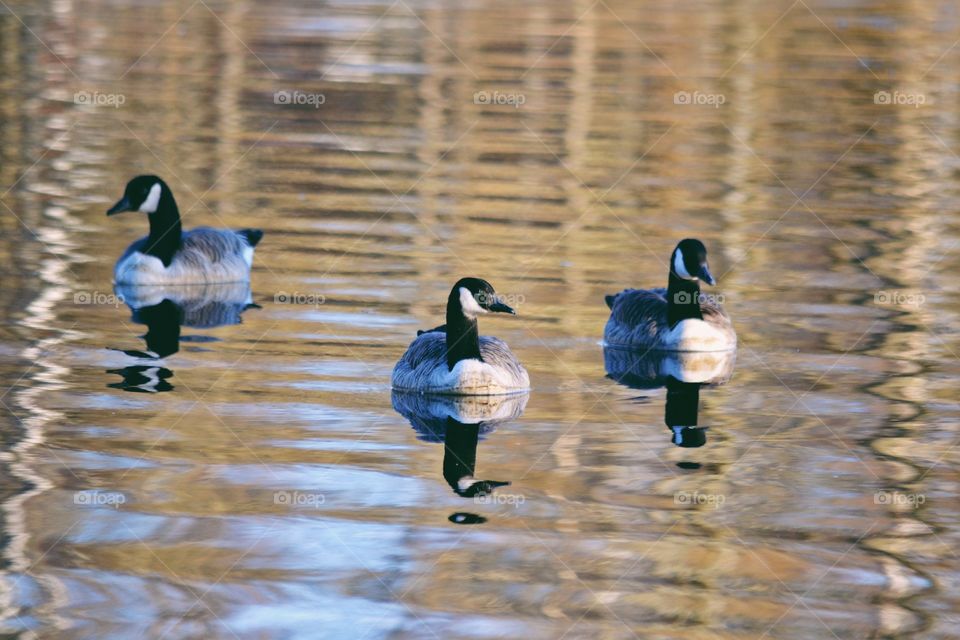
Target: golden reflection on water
[{"x": 538, "y": 145}]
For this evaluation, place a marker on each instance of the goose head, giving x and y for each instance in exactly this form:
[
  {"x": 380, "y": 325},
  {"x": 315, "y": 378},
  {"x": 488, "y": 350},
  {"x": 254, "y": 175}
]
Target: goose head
[
  {"x": 142, "y": 194},
  {"x": 473, "y": 296},
  {"x": 689, "y": 262}
]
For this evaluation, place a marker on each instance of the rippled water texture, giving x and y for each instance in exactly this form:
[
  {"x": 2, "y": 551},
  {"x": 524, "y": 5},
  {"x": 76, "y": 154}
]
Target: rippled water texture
[{"x": 258, "y": 479}]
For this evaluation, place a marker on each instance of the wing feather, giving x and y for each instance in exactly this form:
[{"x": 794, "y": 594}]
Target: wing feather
[{"x": 637, "y": 317}]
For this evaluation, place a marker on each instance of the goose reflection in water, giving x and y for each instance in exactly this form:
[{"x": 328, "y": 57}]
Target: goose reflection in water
[
  {"x": 165, "y": 309},
  {"x": 459, "y": 422},
  {"x": 683, "y": 374}
]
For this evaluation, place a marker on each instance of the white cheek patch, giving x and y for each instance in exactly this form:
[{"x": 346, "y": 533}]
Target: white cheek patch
[
  {"x": 470, "y": 307},
  {"x": 153, "y": 200},
  {"x": 678, "y": 267}
]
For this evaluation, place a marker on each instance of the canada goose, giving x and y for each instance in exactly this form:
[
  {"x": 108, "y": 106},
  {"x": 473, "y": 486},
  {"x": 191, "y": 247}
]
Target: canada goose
[
  {"x": 677, "y": 318},
  {"x": 454, "y": 359},
  {"x": 169, "y": 255}
]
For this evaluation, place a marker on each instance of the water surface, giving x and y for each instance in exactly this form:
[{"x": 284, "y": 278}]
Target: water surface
[{"x": 257, "y": 481}]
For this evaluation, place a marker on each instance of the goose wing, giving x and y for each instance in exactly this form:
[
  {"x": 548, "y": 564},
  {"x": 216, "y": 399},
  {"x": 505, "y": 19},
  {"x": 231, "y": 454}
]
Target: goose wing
[
  {"x": 639, "y": 308},
  {"x": 637, "y": 317},
  {"x": 495, "y": 352},
  {"x": 204, "y": 245},
  {"x": 429, "y": 350},
  {"x": 712, "y": 311}
]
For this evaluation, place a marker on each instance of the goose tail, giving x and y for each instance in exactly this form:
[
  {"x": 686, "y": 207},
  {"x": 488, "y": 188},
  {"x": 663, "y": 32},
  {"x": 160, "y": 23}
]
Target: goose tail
[
  {"x": 442, "y": 328},
  {"x": 252, "y": 236}
]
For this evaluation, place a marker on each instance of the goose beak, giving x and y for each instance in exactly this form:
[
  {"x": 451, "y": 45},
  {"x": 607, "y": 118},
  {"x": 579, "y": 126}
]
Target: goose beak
[
  {"x": 704, "y": 275},
  {"x": 499, "y": 307},
  {"x": 122, "y": 205}
]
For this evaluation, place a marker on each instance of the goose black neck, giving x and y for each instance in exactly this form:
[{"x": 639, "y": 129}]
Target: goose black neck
[
  {"x": 683, "y": 300},
  {"x": 463, "y": 338},
  {"x": 165, "y": 229}
]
